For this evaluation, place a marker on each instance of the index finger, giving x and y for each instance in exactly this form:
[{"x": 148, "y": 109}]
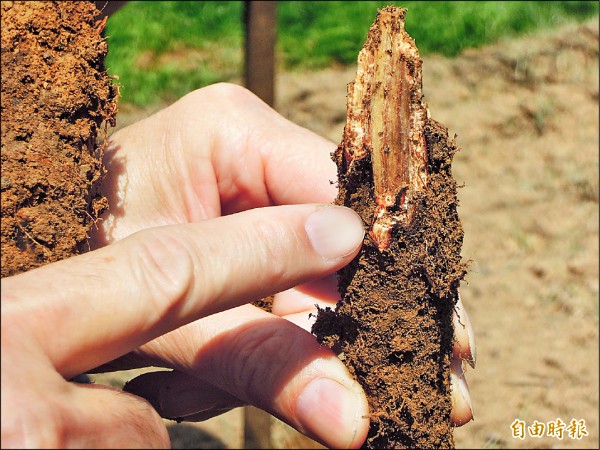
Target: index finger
[{"x": 93, "y": 308}]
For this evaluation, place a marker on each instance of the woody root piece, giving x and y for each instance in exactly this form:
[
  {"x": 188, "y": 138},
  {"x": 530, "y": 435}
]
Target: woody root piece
[
  {"x": 394, "y": 321},
  {"x": 386, "y": 120}
]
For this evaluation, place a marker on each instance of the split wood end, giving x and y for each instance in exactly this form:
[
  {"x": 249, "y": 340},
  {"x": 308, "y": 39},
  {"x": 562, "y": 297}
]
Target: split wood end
[{"x": 386, "y": 119}]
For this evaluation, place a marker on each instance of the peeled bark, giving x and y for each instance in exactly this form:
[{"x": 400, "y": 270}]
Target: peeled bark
[{"x": 394, "y": 321}]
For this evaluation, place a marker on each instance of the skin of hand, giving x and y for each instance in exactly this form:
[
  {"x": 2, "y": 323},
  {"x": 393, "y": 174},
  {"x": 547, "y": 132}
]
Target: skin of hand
[{"x": 216, "y": 201}]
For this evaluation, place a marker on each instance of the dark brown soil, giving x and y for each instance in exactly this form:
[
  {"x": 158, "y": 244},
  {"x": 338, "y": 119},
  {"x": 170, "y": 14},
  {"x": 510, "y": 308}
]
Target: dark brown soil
[
  {"x": 56, "y": 96},
  {"x": 394, "y": 322}
]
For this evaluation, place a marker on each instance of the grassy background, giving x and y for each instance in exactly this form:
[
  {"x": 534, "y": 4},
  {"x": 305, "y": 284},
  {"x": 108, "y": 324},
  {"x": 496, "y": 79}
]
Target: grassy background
[{"x": 162, "y": 50}]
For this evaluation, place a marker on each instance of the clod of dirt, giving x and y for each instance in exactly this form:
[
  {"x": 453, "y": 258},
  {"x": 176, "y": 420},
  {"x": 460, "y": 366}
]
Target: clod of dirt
[
  {"x": 394, "y": 320},
  {"x": 56, "y": 96}
]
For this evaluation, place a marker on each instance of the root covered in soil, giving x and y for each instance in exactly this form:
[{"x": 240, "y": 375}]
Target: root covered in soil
[
  {"x": 394, "y": 321},
  {"x": 56, "y": 95}
]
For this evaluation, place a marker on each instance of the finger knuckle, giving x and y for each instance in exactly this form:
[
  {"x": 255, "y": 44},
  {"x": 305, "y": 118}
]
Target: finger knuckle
[
  {"x": 220, "y": 96},
  {"x": 276, "y": 241},
  {"x": 259, "y": 358},
  {"x": 163, "y": 265},
  {"x": 40, "y": 427}
]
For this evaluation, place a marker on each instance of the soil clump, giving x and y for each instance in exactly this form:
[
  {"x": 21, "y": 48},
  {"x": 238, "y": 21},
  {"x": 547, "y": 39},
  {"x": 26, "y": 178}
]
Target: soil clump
[
  {"x": 56, "y": 97},
  {"x": 394, "y": 321}
]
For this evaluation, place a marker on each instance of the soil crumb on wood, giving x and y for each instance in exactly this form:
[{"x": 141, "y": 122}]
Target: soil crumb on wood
[
  {"x": 56, "y": 96},
  {"x": 394, "y": 321}
]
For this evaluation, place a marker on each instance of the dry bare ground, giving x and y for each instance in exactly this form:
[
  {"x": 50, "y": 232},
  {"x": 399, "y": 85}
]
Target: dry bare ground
[{"x": 525, "y": 112}]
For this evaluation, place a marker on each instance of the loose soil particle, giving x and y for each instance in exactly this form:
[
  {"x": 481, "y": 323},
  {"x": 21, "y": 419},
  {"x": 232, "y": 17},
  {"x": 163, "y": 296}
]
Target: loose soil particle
[
  {"x": 394, "y": 321},
  {"x": 56, "y": 96}
]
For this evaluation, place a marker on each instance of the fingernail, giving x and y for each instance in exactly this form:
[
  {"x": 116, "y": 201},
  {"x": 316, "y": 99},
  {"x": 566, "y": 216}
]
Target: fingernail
[
  {"x": 330, "y": 411},
  {"x": 462, "y": 325},
  {"x": 334, "y": 231},
  {"x": 459, "y": 385}
]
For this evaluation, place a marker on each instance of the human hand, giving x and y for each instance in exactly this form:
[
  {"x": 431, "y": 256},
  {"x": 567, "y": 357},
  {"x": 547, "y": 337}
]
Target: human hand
[{"x": 217, "y": 152}]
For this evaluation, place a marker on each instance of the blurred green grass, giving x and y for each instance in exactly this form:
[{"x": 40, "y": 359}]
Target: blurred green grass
[{"x": 162, "y": 50}]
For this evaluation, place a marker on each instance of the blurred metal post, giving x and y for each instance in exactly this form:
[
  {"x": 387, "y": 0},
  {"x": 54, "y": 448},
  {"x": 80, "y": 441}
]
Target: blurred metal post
[
  {"x": 260, "y": 18},
  {"x": 257, "y": 428}
]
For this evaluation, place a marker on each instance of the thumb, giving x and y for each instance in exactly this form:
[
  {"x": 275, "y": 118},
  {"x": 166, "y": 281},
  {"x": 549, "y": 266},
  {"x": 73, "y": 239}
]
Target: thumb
[{"x": 112, "y": 300}]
